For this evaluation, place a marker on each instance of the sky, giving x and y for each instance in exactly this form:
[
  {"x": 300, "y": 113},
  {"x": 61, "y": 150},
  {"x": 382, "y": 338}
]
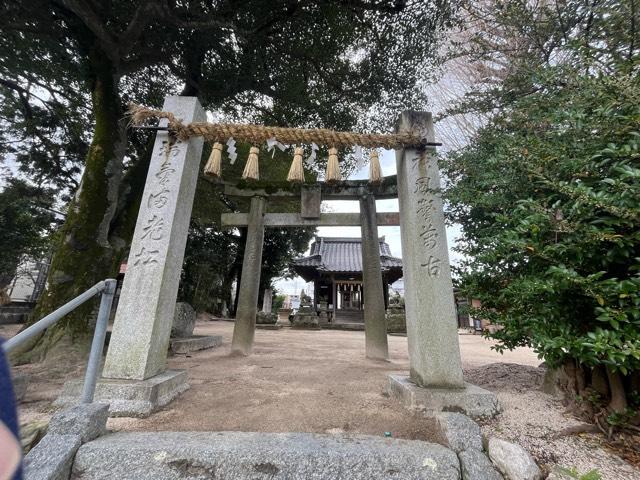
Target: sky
[{"x": 392, "y": 234}]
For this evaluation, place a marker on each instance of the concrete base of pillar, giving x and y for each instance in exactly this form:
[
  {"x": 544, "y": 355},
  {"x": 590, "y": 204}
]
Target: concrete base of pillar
[
  {"x": 130, "y": 398},
  {"x": 471, "y": 400},
  {"x": 194, "y": 343}
]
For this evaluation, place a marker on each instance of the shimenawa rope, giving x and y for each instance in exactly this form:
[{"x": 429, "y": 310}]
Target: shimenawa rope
[{"x": 256, "y": 134}]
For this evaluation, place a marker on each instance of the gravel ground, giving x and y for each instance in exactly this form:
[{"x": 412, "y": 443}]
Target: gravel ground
[
  {"x": 532, "y": 418},
  {"x": 319, "y": 381}
]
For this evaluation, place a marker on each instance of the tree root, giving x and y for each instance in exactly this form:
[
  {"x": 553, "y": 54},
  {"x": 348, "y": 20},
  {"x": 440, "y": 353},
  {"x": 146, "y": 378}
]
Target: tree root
[{"x": 577, "y": 429}]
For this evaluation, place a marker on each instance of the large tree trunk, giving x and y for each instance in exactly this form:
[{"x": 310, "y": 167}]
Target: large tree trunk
[
  {"x": 618, "y": 402},
  {"x": 84, "y": 255}
]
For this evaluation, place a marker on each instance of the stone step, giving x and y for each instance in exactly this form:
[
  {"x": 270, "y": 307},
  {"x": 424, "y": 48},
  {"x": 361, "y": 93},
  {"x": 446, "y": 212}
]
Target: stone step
[
  {"x": 16, "y": 308},
  {"x": 7, "y": 318},
  {"x": 357, "y": 326},
  {"x": 273, "y": 456},
  {"x": 349, "y": 316},
  {"x": 15, "y": 313},
  {"x": 194, "y": 343}
]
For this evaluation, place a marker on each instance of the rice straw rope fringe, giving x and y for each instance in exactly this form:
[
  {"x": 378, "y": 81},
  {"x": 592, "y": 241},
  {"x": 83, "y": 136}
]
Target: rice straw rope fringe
[{"x": 257, "y": 134}]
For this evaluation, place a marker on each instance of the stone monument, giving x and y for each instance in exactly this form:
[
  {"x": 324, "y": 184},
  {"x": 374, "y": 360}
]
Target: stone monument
[
  {"x": 135, "y": 378},
  {"x": 323, "y": 316},
  {"x": 435, "y": 382},
  {"x": 305, "y": 317},
  {"x": 265, "y": 316},
  {"x": 396, "y": 318},
  {"x": 182, "y": 338}
]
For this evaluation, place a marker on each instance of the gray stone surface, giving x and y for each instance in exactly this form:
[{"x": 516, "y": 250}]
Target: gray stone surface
[
  {"x": 264, "y": 318},
  {"x": 184, "y": 320},
  {"x": 244, "y": 329},
  {"x": 194, "y": 343},
  {"x": 513, "y": 461},
  {"x": 51, "y": 459},
  {"x": 432, "y": 333},
  {"x": 272, "y": 456},
  {"x": 88, "y": 420},
  {"x": 283, "y": 317},
  {"x": 310, "y": 201},
  {"x": 385, "y": 219},
  {"x": 459, "y": 431},
  {"x": 396, "y": 316},
  {"x": 471, "y": 400},
  {"x": 267, "y": 300},
  {"x": 268, "y": 326},
  {"x": 476, "y": 466},
  {"x": 130, "y": 398},
  {"x": 305, "y": 320},
  {"x": 140, "y": 338},
  {"x": 345, "y": 190},
  {"x": 375, "y": 327}
]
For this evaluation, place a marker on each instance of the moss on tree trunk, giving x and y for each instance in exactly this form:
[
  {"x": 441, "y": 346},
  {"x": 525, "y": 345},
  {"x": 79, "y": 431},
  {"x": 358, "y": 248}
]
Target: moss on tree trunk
[{"x": 84, "y": 255}]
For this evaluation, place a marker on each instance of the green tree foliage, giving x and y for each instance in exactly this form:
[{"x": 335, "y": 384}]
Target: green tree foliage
[
  {"x": 25, "y": 222},
  {"x": 547, "y": 196},
  {"x": 209, "y": 259},
  {"x": 330, "y": 63}
]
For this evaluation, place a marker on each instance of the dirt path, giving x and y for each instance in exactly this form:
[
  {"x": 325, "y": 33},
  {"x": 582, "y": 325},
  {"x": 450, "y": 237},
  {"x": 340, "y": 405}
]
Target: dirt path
[{"x": 319, "y": 381}]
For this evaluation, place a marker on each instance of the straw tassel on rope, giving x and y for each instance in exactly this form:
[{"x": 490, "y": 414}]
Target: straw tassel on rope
[
  {"x": 296, "y": 172},
  {"x": 333, "y": 168},
  {"x": 251, "y": 170},
  {"x": 375, "y": 172},
  {"x": 213, "y": 167}
]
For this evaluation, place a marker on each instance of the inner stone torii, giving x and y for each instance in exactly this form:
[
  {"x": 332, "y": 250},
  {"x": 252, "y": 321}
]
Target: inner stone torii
[
  {"x": 135, "y": 380},
  {"x": 311, "y": 196}
]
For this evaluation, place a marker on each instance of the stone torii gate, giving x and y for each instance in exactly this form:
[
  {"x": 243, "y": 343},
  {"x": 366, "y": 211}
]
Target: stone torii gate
[
  {"x": 311, "y": 196},
  {"x": 135, "y": 379}
]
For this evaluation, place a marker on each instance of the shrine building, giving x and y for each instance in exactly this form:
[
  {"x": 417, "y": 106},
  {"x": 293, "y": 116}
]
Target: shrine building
[{"x": 335, "y": 268}]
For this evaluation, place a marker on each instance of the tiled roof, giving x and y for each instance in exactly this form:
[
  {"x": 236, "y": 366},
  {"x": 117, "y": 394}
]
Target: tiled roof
[{"x": 343, "y": 254}]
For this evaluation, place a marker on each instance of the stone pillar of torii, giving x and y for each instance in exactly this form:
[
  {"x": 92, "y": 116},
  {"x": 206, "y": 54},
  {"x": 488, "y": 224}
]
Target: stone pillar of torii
[{"x": 136, "y": 358}]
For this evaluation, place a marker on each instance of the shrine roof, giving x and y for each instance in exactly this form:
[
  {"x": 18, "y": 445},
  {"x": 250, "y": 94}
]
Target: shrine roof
[{"x": 343, "y": 254}]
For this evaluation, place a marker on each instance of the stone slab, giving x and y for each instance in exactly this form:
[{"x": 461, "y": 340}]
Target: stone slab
[
  {"x": 459, "y": 431},
  {"x": 130, "y": 398},
  {"x": 184, "y": 320},
  {"x": 264, "y": 318},
  {"x": 476, "y": 466},
  {"x": 194, "y": 343},
  {"x": 88, "y": 420},
  {"x": 355, "y": 326},
  {"x": 471, "y": 400},
  {"x": 267, "y": 326},
  {"x": 310, "y": 201},
  {"x": 345, "y": 190},
  {"x": 305, "y": 320},
  {"x": 273, "y": 456},
  {"x": 513, "y": 461},
  {"x": 385, "y": 219},
  {"x": 52, "y": 457}
]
